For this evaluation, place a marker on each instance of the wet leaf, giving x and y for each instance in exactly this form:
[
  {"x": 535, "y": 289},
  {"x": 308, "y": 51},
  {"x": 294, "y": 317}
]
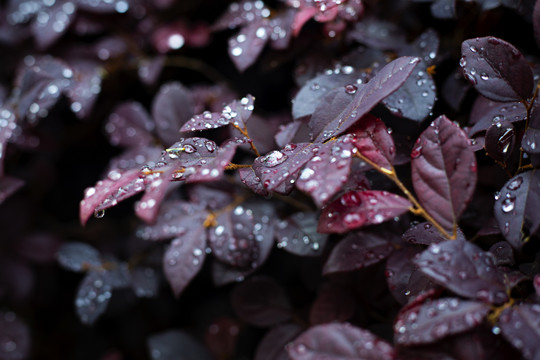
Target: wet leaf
[
  {"x": 344, "y": 113},
  {"x": 79, "y": 257},
  {"x": 426, "y": 234},
  {"x": 51, "y": 22},
  {"x": 93, "y": 296},
  {"x": 252, "y": 181},
  {"x": 129, "y": 125},
  {"x": 176, "y": 345},
  {"x": 465, "y": 269},
  {"x": 272, "y": 345},
  {"x": 500, "y": 140},
  {"x": 326, "y": 173},
  {"x": 85, "y": 87},
  {"x": 339, "y": 341},
  {"x": 516, "y": 208},
  {"x": 157, "y": 186},
  {"x": 356, "y": 251},
  {"x": 241, "y": 13},
  {"x": 496, "y": 69},
  {"x": 298, "y": 234},
  {"x": 443, "y": 171},
  {"x": 145, "y": 282},
  {"x": 260, "y": 301},
  {"x": 378, "y": 34},
  {"x": 486, "y": 113},
  {"x": 444, "y": 9},
  {"x": 184, "y": 258},
  {"x": 236, "y": 112},
  {"x": 246, "y": 46},
  {"x": 434, "y": 320},
  {"x": 171, "y": 108},
  {"x": 104, "y": 6},
  {"x": 503, "y": 253},
  {"x": 521, "y": 327},
  {"x": 373, "y": 141},
  {"x": 360, "y": 208}
]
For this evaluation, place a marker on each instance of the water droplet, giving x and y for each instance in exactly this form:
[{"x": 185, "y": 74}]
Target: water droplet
[
  {"x": 351, "y": 89},
  {"x": 508, "y": 204},
  {"x": 274, "y": 158},
  {"x": 515, "y": 184},
  {"x": 236, "y": 51},
  {"x": 484, "y": 76}
]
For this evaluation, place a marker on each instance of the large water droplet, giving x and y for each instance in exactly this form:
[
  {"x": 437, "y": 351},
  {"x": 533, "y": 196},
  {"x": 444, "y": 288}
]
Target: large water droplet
[
  {"x": 274, "y": 158},
  {"x": 508, "y": 204}
]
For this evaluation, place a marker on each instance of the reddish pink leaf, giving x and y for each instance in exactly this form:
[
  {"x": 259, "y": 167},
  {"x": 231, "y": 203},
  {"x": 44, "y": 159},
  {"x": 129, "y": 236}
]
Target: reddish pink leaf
[
  {"x": 443, "y": 171},
  {"x": 373, "y": 141},
  {"x": 360, "y": 208}
]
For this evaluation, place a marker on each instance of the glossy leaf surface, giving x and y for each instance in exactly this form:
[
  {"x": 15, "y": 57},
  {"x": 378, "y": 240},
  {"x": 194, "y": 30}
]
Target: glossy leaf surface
[
  {"x": 374, "y": 142},
  {"x": 520, "y": 326},
  {"x": 79, "y": 257},
  {"x": 298, "y": 235},
  {"x": 92, "y": 296}
]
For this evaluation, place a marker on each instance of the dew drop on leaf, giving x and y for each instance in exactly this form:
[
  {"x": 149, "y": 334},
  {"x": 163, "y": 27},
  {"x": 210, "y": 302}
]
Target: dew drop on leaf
[{"x": 274, "y": 158}]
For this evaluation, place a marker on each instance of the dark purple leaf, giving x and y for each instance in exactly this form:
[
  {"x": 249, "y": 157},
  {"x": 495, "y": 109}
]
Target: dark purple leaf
[
  {"x": 8, "y": 185},
  {"x": 15, "y": 340},
  {"x": 171, "y": 108},
  {"x": 135, "y": 157},
  {"x": 175, "y": 218},
  {"x": 415, "y": 98},
  {"x": 92, "y": 296},
  {"x": 150, "y": 69},
  {"x": 298, "y": 234},
  {"x": 211, "y": 196},
  {"x": 260, "y": 301},
  {"x": 345, "y": 113},
  {"x": 378, "y": 34},
  {"x": 280, "y": 29},
  {"x": 287, "y": 132},
  {"x": 465, "y": 269},
  {"x": 104, "y": 6},
  {"x": 39, "y": 247},
  {"x": 117, "y": 274},
  {"x": 356, "y": 251},
  {"x": 252, "y": 181},
  {"x": 496, "y": 69},
  {"x": 454, "y": 89},
  {"x": 500, "y": 141},
  {"x": 426, "y": 234},
  {"x": 536, "y": 22},
  {"x": 51, "y": 22},
  {"x": 443, "y": 171},
  {"x": 78, "y": 257},
  {"x": 426, "y": 46},
  {"x": 405, "y": 280},
  {"x": 85, "y": 86},
  {"x": 176, "y": 345},
  {"x": 373, "y": 141},
  {"x": 236, "y": 113},
  {"x": 107, "y": 192},
  {"x": 222, "y": 335},
  {"x": 129, "y": 125},
  {"x": 307, "y": 99},
  {"x": 332, "y": 304},
  {"x": 339, "y": 341},
  {"x": 213, "y": 169},
  {"x": 258, "y": 129},
  {"x": 434, "y": 320},
  {"x": 272, "y": 345},
  {"x": 360, "y": 208},
  {"x": 520, "y": 325},
  {"x": 444, "y": 9},
  {"x": 279, "y": 170},
  {"x": 487, "y": 112},
  {"x": 110, "y": 48},
  {"x": 531, "y": 138},
  {"x": 516, "y": 208},
  {"x": 145, "y": 282},
  {"x": 184, "y": 258},
  {"x": 157, "y": 187},
  {"x": 326, "y": 173},
  {"x": 245, "y": 47}
]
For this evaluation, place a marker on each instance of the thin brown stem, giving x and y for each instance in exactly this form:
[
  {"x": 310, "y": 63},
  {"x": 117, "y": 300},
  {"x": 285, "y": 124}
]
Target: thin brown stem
[{"x": 244, "y": 132}]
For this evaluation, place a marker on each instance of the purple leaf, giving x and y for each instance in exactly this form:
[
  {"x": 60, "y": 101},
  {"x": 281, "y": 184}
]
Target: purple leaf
[
  {"x": 104, "y": 6},
  {"x": 496, "y": 69},
  {"x": 272, "y": 345},
  {"x": 129, "y": 125},
  {"x": 78, "y": 257},
  {"x": 434, "y": 320},
  {"x": 465, "y": 269},
  {"x": 157, "y": 186},
  {"x": 15, "y": 337},
  {"x": 134, "y": 158},
  {"x": 212, "y": 196},
  {"x": 356, "y": 251},
  {"x": 503, "y": 253},
  {"x": 184, "y": 258},
  {"x": 175, "y": 218},
  {"x": 171, "y": 108},
  {"x": 374, "y": 142},
  {"x": 444, "y": 9},
  {"x": 260, "y": 301},
  {"x": 454, "y": 89},
  {"x": 521, "y": 327},
  {"x": 426, "y": 234},
  {"x": 176, "y": 345},
  {"x": 150, "y": 69},
  {"x": 85, "y": 86},
  {"x": 252, "y": 181},
  {"x": 443, "y": 171},
  {"x": 415, "y": 98},
  {"x": 245, "y": 48},
  {"x": 8, "y": 185},
  {"x": 108, "y": 192},
  {"x": 378, "y": 34},
  {"x": 92, "y": 297},
  {"x": 280, "y": 29},
  {"x": 52, "y": 22},
  {"x": 531, "y": 138},
  {"x": 213, "y": 169},
  {"x": 278, "y": 170},
  {"x": 516, "y": 208},
  {"x": 237, "y": 113},
  {"x": 298, "y": 234},
  {"x": 426, "y": 46},
  {"x": 487, "y": 112},
  {"x": 360, "y": 208},
  {"x": 287, "y": 132},
  {"x": 326, "y": 124},
  {"x": 241, "y": 13},
  {"x": 332, "y": 304},
  {"x": 326, "y": 173},
  {"x": 339, "y": 341},
  {"x": 500, "y": 141}
]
